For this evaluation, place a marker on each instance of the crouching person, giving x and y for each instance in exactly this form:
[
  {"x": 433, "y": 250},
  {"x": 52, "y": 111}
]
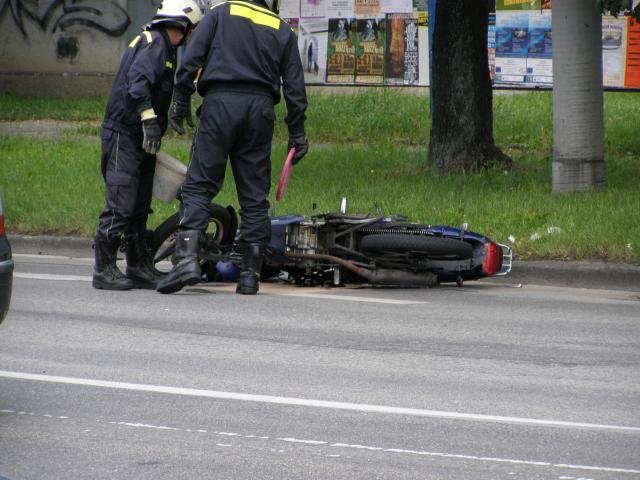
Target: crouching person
[{"x": 134, "y": 123}]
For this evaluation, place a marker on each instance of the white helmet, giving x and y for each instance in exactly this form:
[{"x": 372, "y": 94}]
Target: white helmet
[{"x": 183, "y": 13}]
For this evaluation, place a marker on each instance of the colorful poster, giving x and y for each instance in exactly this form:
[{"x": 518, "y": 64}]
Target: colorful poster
[
  {"x": 312, "y": 42},
  {"x": 491, "y": 45},
  {"x": 370, "y": 47},
  {"x": 518, "y": 5},
  {"x": 540, "y": 53},
  {"x": 366, "y": 8},
  {"x": 512, "y": 44},
  {"x": 401, "y": 59},
  {"x": 313, "y": 8},
  {"x": 341, "y": 54},
  {"x": 632, "y": 73},
  {"x": 614, "y": 48}
]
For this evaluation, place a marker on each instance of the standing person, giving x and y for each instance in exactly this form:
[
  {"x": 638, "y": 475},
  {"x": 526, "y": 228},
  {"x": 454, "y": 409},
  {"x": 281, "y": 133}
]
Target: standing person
[
  {"x": 245, "y": 53},
  {"x": 134, "y": 122}
]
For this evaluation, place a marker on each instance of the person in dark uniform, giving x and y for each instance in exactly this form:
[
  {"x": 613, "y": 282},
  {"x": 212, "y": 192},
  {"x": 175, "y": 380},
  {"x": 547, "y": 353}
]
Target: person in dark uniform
[
  {"x": 245, "y": 54},
  {"x": 134, "y": 122}
]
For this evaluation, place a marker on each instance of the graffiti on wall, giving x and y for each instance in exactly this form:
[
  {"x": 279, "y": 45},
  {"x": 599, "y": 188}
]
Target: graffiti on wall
[
  {"x": 63, "y": 15},
  {"x": 66, "y": 18}
]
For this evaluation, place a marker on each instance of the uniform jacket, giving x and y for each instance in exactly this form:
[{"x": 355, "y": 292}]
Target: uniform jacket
[
  {"x": 144, "y": 80},
  {"x": 241, "y": 46}
]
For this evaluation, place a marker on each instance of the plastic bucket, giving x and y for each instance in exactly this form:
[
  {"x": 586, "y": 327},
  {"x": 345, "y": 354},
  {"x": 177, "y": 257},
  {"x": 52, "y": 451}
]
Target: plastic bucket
[{"x": 170, "y": 174}]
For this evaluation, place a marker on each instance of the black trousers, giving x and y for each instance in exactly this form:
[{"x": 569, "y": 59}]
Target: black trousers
[
  {"x": 237, "y": 126},
  {"x": 128, "y": 174}
]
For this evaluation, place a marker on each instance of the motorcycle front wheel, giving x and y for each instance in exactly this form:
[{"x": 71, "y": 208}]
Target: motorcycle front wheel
[
  {"x": 221, "y": 230},
  {"x": 431, "y": 246}
]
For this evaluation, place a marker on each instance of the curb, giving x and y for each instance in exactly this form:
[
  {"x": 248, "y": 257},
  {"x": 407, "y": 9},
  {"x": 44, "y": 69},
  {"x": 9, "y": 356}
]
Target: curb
[{"x": 594, "y": 275}]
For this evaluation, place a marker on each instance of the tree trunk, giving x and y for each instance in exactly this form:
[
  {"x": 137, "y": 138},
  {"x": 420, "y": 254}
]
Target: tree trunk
[
  {"x": 462, "y": 96},
  {"x": 578, "y": 118}
]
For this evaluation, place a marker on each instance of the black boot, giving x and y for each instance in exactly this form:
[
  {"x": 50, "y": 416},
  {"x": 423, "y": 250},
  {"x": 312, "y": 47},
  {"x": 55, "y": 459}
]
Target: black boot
[
  {"x": 106, "y": 274},
  {"x": 249, "y": 281},
  {"x": 187, "y": 268},
  {"x": 138, "y": 269}
]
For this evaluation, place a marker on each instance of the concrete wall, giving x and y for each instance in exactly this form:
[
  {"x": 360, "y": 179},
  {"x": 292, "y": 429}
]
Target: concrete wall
[{"x": 66, "y": 47}]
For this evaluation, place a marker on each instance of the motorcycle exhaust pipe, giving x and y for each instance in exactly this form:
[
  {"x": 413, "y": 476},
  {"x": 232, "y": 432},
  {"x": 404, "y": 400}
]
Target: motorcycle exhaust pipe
[{"x": 379, "y": 276}]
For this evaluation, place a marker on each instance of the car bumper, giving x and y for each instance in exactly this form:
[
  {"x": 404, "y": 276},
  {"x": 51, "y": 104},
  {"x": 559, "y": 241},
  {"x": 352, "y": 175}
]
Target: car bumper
[{"x": 6, "y": 283}]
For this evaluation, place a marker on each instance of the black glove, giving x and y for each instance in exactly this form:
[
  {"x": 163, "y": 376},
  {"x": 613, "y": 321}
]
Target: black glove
[
  {"x": 301, "y": 144},
  {"x": 180, "y": 110},
  {"x": 152, "y": 135}
]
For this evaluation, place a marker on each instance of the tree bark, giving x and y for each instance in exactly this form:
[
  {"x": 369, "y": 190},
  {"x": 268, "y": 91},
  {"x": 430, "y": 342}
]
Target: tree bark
[
  {"x": 578, "y": 117},
  {"x": 462, "y": 95}
]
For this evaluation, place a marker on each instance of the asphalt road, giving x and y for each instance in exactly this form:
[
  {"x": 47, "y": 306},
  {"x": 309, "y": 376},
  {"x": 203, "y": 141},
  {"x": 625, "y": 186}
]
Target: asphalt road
[{"x": 488, "y": 381}]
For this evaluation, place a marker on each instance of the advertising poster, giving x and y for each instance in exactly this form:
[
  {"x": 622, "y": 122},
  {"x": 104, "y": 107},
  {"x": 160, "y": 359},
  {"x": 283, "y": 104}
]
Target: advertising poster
[
  {"x": 401, "y": 59},
  {"x": 423, "y": 48},
  {"x": 370, "y": 47},
  {"x": 312, "y": 42},
  {"x": 289, "y": 9},
  {"x": 491, "y": 45},
  {"x": 340, "y": 8},
  {"x": 540, "y": 52},
  {"x": 313, "y": 8},
  {"x": 366, "y": 8},
  {"x": 512, "y": 45},
  {"x": 614, "y": 48},
  {"x": 518, "y": 5},
  {"x": 341, "y": 53},
  {"x": 632, "y": 73},
  {"x": 396, "y": 6}
]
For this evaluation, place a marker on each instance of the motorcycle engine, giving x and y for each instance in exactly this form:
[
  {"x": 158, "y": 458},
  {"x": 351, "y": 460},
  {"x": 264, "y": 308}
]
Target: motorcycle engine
[{"x": 302, "y": 237}]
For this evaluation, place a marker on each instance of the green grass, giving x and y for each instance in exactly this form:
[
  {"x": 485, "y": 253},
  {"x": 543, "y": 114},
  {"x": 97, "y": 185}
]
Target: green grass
[{"x": 370, "y": 147}]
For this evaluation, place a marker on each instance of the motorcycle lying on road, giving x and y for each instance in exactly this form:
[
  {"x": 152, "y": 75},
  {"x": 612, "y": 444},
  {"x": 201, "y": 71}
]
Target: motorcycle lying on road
[{"x": 338, "y": 248}]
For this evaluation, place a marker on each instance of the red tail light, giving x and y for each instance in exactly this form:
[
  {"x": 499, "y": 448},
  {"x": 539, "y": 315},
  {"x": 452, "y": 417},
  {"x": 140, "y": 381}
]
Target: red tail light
[
  {"x": 493, "y": 259},
  {"x": 1, "y": 224}
]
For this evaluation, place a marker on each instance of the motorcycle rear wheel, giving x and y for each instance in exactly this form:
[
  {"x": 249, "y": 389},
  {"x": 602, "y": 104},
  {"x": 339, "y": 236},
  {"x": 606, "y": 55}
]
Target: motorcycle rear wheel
[
  {"x": 222, "y": 229},
  {"x": 431, "y": 246}
]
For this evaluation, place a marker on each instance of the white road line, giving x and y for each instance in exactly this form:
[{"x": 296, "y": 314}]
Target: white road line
[
  {"x": 50, "y": 257},
  {"x": 351, "y": 298},
  {"x": 51, "y": 276},
  {"x": 319, "y": 295},
  {"x": 304, "y": 402}
]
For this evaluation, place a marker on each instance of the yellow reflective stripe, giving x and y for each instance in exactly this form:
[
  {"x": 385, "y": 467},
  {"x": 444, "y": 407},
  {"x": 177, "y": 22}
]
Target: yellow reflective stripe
[
  {"x": 253, "y": 6},
  {"x": 255, "y": 16},
  {"x": 134, "y": 41},
  {"x": 147, "y": 114},
  {"x": 168, "y": 64},
  {"x": 148, "y": 35}
]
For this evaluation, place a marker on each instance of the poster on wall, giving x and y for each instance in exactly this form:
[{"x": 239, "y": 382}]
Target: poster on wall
[
  {"x": 423, "y": 48},
  {"x": 340, "y": 8},
  {"x": 519, "y": 5},
  {"x": 632, "y": 68},
  {"x": 540, "y": 49},
  {"x": 313, "y": 8},
  {"x": 512, "y": 44},
  {"x": 370, "y": 41},
  {"x": 396, "y": 6},
  {"x": 491, "y": 45},
  {"x": 312, "y": 43},
  {"x": 614, "y": 49},
  {"x": 401, "y": 59},
  {"x": 341, "y": 54},
  {"x": 289, "y": 9},
  {"x": 366, "y": 8}
]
